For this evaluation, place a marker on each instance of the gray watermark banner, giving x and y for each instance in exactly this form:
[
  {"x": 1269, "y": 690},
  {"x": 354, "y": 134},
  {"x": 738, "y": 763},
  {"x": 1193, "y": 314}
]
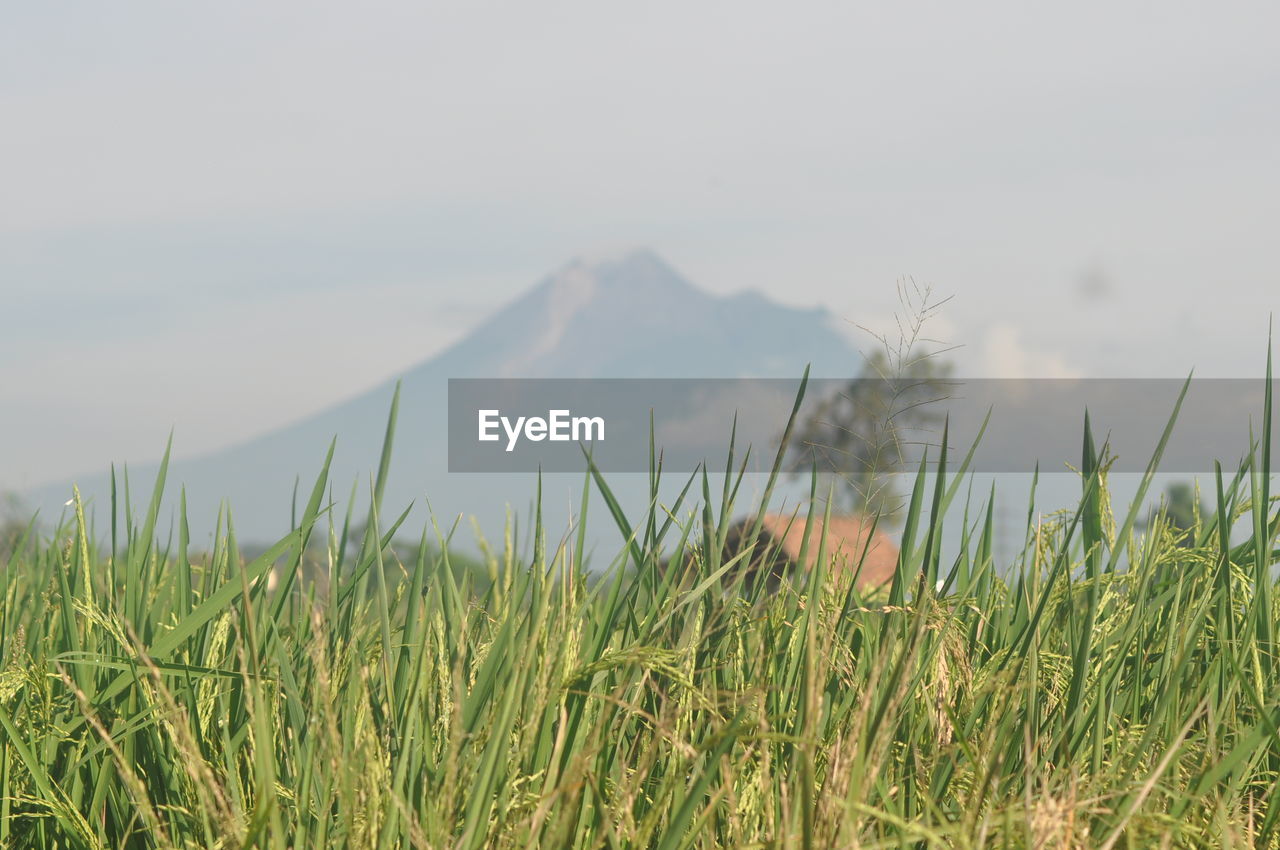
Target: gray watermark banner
[{"x": 851, "y": 427}]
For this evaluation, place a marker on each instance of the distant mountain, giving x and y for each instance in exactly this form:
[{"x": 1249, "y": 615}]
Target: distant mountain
[
  {"x": 634, "y": 316},
  {"x": 626, "y": 316}
]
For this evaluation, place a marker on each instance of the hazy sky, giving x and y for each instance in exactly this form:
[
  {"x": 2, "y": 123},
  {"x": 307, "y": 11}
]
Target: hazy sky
[{"x": 225, "y": 217}]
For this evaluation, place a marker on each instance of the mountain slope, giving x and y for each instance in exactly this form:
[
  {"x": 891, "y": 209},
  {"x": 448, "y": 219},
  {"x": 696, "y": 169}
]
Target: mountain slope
[{"x": 628, "y": 316}]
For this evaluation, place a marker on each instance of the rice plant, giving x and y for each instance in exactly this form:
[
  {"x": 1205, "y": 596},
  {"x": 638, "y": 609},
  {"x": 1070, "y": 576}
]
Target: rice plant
[{"x": 1107, "y": 689}]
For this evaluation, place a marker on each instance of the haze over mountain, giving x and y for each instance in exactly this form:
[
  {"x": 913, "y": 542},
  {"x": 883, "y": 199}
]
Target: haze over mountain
[
  {"x": 632, "y": 315},
  {"x": 626, "y": 316}
]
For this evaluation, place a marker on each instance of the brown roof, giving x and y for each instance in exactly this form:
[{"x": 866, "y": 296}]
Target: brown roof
[
  {"x": 846, "y": 539},
  {"x": 777, "y": 550}
]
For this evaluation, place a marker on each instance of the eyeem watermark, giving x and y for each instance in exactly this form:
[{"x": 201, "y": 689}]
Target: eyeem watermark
[
  {"x": 524, "y": 425},
  {"x": 559, "y": 426}
]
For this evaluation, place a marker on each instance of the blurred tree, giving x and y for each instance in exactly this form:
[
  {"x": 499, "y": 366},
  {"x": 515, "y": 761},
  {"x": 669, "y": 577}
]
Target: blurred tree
[
  {"x": 879, "y": 424},
  {"x": 1179, "y": 507}
]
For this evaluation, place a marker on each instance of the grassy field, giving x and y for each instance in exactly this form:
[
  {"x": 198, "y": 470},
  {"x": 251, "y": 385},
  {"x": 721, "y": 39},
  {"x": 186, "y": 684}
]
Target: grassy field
[{"x": 1107, "y": 689}]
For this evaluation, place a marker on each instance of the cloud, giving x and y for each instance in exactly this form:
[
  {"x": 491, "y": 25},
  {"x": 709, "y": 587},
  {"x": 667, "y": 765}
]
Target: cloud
[{"x": 1003, "y": 354}]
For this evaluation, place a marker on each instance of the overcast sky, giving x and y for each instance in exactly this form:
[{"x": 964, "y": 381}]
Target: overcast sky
[{"x": 225, "y": 217}]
